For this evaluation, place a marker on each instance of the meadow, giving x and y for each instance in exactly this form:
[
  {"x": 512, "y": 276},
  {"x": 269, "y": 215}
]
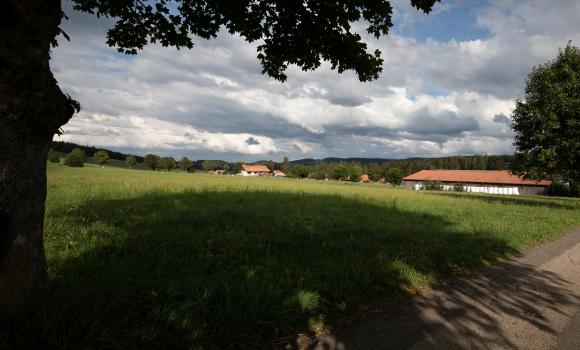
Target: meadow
[{"x": 142, "y": 259}]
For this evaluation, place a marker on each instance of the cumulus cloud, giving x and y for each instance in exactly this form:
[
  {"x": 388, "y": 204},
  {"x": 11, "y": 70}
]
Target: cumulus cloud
[{"x": 446, "y": 94}]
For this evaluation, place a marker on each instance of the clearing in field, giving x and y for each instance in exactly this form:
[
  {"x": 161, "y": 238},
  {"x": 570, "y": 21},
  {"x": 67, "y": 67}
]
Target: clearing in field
[{"x": 141, "y": 259}]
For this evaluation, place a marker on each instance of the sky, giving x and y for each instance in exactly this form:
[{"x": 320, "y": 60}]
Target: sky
[{"x": 449, "y": 84}]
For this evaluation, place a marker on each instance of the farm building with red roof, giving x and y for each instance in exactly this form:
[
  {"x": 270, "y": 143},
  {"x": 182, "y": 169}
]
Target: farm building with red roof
[
  {"x": 255, "y": 170},
  {"x": 482, "y": 181}
]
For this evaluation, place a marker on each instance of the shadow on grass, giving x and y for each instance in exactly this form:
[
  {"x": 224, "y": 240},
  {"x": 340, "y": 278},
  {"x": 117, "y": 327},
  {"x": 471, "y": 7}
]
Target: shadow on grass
[
  {"x": 233, "y": 269},
  {"x": 547, "y": 202}
]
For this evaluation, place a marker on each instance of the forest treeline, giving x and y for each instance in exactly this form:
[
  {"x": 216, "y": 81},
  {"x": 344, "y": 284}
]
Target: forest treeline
[
  {"x": 377, "y": 169},
  {"x": 67, "y": 147},
  {"x": 331, "y": 168}
]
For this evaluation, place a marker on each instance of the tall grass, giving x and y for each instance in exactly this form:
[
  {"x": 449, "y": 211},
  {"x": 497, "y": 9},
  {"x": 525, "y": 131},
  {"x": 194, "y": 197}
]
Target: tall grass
[{"x": 141, "y": 259}]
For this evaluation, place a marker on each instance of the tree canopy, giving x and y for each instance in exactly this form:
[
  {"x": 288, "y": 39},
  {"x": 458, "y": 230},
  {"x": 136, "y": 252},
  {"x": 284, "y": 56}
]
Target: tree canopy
[
  {"x": 547, "y": 121},
  {"x": 101, "y": 157},
  {"x": 356, "y": 172},
  {"x": 394, "y": 176},
  {"x": 151, "y": 161},
  {"x": 287, "y": 32},
  {"x": 131, "y": 161},
  {"x": 340, "y": 172},
  {"x": 185, "y": 164},
  {"x": 167, "y": 163},
  {"x": 76, "y": 158}
]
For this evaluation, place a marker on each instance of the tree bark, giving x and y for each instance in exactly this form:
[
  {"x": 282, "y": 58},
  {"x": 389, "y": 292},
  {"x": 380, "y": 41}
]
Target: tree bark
[{"x": 32, "y": 109}]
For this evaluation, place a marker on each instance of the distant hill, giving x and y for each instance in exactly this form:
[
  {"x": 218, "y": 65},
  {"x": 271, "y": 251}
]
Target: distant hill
[
  {"x": 218, "y": 164},
  {"x": 67, "y": 147},
  {"x": 334, "y": 160}
]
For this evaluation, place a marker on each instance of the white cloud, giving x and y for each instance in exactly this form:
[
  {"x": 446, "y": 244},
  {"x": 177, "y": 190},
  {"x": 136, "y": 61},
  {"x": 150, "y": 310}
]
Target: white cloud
[
  {"x": 434, "y": 98},
  {"x": 148, "y": 133}
]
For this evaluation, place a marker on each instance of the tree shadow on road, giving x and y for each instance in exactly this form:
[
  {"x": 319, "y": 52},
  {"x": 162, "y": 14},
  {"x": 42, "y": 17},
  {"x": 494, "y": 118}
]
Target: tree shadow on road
[{"x": 465, "y": 313}]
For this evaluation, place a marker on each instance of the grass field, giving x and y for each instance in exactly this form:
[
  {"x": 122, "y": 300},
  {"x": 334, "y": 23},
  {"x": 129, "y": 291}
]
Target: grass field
[{"x": 141, "y": 259}]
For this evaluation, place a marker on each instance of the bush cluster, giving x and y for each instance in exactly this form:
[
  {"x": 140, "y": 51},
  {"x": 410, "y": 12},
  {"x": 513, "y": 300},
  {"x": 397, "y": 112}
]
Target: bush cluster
[
  {"x": 76, "y": 158},
  {"x": 433, "y": 186}
]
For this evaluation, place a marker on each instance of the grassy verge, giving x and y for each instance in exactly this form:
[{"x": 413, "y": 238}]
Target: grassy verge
[{"x": 143, "y": 259}]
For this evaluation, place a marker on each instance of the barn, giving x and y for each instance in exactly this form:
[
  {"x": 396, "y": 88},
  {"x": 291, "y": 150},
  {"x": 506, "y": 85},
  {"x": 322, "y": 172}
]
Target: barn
[
  {"x": 480, "y": 181},
  {"x": 255, "y": 170}
]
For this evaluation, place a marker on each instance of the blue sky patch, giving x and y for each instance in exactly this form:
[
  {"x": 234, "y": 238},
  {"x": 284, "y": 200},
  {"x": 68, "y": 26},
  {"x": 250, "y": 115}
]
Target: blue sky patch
[{"x": 449, "y": 20}]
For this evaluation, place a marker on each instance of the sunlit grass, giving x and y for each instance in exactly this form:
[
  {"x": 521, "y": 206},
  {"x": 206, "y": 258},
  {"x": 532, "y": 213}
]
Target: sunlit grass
[{"x": 142, "y": 259}]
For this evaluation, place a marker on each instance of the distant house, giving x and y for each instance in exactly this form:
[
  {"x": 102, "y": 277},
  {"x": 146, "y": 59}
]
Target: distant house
[
  {"x": 278, "y": 173},
  {"x": 481, "y": 181},
  {"x": 365, "y": 178},
  {"x": 254, "y": 170},
  {"x": 217, "y": 172}
]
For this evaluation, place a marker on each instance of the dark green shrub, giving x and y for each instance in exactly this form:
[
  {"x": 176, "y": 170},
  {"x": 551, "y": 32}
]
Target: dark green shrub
[
  {"x": 458, "y": 187},
  {"x": 53, "y": 156},
  {"x": 433, "y": 186},
  {"x": 320, "y": 175},
  {"x": 167, "y": 163},
  {"x": 356, "y": 172},
  {"x": 101, "y": 157},
  {"x": 76, "y": 158},
  {"x": 131, "y": 161},
  {"x": 340, "y": 172},
  {"x": 562, "y": 189},
  {"x": 394, "y": 176},
  {"x": 151, "y": 161}
]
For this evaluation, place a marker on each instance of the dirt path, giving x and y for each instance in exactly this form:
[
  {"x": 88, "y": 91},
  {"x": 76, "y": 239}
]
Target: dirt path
[{"x": 527, "y": 302}]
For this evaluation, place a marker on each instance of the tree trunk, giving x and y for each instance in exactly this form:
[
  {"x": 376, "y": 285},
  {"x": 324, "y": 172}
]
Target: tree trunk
[{"x": 32, "y": 109}]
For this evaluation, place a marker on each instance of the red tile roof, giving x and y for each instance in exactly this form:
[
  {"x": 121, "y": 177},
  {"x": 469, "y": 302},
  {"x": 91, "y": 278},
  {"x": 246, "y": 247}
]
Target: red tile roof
[
  {"x": 474, "y": 176},
  {"x": 255, "y": 168}
]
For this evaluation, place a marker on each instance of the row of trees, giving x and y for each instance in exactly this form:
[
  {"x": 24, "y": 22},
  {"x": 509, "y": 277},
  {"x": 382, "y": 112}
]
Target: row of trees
[
  {"x": 343, "y": 170},
  {"x": 391, "y": 171},
  {"x": 77, "y": 158},
  {"x": 155, "y": 162},
  {"x": 67, "y": 147}
]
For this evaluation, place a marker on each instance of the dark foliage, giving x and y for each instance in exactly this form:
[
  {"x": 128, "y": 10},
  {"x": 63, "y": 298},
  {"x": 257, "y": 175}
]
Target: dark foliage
[
  {"x": 101, "y": 157},
  {"x": 53, "y": 156},
  {"x": 394, "y": 176},
  {"x": 67, "y": 147},
  {"x": 472, "y": 162},
  {"x": 433, "y": 186},
  {"x": 151, "y": 161},
  {"x": 185, "y": 164},
  {"x": 76, "y": 158},
  {"x": 547, "y": 122},
  {"x": 215, "y": 164},
  {"x": 299, "y": 171},
  {"x": 131, "y": 161},
  {"x": 167, "y": 163}
]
